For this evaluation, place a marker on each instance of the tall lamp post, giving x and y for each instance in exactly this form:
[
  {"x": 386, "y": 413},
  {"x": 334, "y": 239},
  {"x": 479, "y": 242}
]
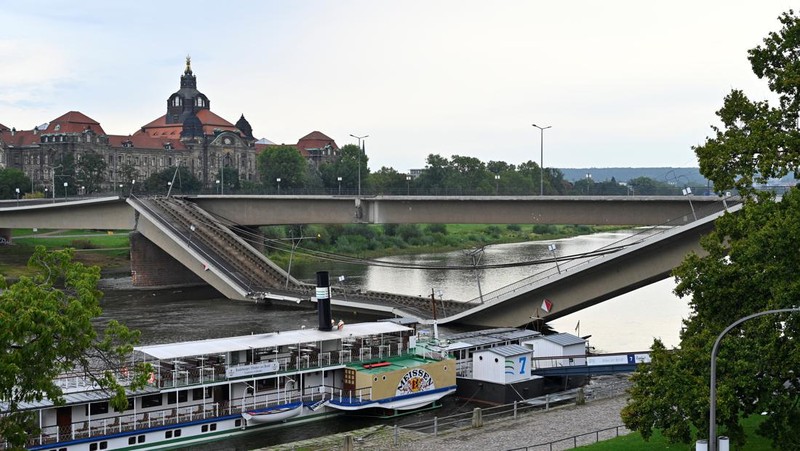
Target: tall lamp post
[
  {"x": 17, "y": 197},
  {"x": 279, "y": 185},
  {"x": 408, "y": 185},
  {"x": 712, "y": 415},
  {"x": 339, "y": 179},
  {"x": 66, "y": 184},
  {"x": 361, "y": 147},
  {"x": 541, "y": 158}
]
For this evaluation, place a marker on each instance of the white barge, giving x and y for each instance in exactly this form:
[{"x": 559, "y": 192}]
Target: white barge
[{"x": 207, "y": 390}]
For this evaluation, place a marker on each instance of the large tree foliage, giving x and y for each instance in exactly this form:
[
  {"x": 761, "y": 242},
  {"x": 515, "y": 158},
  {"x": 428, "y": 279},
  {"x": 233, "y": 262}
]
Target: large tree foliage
[
  {"x": 180, "y": 179},
  {"x": 47, "y": 330},
  {"x": 282, "y": 162},
  {"x": 757, "y": 141},
  {"x": 751, "y": 266},
  {"x": 12, "y": 179},
  {"x": 91, "y": 171}
]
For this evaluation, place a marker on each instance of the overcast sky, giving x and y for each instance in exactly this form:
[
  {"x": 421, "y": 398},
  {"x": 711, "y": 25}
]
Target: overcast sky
[{"x": 622, "y": 83}]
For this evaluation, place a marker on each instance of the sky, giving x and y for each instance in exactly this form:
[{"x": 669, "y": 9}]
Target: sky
[{"x": 620, "y": 83}]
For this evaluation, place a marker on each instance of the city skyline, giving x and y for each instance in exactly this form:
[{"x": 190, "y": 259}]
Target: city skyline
[{"x": 622, "y": 84}]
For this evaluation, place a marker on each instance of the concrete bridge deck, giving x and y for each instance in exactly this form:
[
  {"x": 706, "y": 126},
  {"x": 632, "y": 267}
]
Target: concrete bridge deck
[{"x": 240, "y": 275}]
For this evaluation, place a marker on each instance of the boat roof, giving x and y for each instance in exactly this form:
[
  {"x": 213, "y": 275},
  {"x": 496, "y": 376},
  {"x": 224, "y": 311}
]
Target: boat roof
[
  {"x": 563, "y": 339},
  {"x": 506, "y": 351},
  {"x": 486, "y": 337},
  {"x": 270, "y": 340}
]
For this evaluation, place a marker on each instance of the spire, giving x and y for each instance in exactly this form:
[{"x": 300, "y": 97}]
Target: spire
[{"x": 188, "y": 70}]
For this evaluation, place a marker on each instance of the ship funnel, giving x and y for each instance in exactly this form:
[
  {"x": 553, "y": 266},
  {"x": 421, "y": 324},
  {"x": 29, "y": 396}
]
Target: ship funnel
[{"x": 324, "y": 301}]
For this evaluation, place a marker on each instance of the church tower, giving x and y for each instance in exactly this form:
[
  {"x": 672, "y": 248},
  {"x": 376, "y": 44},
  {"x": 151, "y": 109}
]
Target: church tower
[{"x": 187, "y": 101}]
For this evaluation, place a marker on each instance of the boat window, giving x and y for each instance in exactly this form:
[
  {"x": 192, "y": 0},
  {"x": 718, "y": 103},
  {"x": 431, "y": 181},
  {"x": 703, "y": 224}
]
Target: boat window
[
  {"x": 197, "y": 393},
  {"x": 151, "y": 401},
  {"x": 131, "y": 440},
  {"x": 204, "y": 428},
  {"x": 177, "y": 433},
  {"x": 141, "y": 439},
  {"x": 237, "y": 423},
  {"x": 182, "y": 395},
  {"x": 97, "y": 408},
  {"x": 214, "y": 425}
]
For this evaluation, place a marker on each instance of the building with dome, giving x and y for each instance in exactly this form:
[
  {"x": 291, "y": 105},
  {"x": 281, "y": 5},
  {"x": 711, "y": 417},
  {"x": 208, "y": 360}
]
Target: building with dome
[{"x": 189, "y": 134}]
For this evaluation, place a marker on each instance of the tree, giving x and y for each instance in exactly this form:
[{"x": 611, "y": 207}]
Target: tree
[
  {"x": 757, "y": 141},
  {"x": 283, "y": 162},
  {"x": 48, "y": 330},
  {"x": 750, "y": 267},
  {"x": 184, "y": 181},
  {"x": 91, "y": 170},
  {"x": 388, "y": 181},
  {"x": 10, "y": 180}
]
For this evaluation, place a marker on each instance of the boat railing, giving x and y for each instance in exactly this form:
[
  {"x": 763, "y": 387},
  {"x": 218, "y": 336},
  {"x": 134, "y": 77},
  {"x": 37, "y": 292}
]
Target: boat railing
[
  {"x": 125, "y": 422},
  {"x": 356, "y": 396}
]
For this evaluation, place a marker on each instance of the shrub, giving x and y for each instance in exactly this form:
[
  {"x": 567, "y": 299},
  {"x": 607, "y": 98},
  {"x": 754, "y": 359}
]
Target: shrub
[
  {"x": 436, "y": 228},
  {"x": 514, "y": 227}
]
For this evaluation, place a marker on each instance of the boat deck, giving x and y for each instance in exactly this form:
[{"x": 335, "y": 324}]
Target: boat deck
[{"x": 390, "y": 364}]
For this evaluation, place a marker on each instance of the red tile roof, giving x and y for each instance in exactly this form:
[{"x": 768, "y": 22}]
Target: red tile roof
[
  {"x": 314, "y": 140},
  {"x": 19, "y": 138},
  {"x": 159, "y": 127},
  {"x": 144, "y": 141},
  {"x": 73, "y": 122}
]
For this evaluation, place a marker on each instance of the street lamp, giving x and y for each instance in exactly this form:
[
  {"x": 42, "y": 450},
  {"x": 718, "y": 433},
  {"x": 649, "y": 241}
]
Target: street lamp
[
  {"x": 588, "y": 182},
  {"x": 217, "y": 182},
  {"x": 688, "y": 193},
  {"x": 496, "y": 183},
  {"x": 361, "y": 147},
  {"x": 408, "y": 185},
  {"x": 541, "y": 158},
  {"x": 17, "y": 197},
  {"x": 66, "y": 184},
  {"x": 339, "y": 179},
  {"x": 279, "y": 184},
  {"x": 552, "y": 248},
  {"x": 712, "y": 413}
]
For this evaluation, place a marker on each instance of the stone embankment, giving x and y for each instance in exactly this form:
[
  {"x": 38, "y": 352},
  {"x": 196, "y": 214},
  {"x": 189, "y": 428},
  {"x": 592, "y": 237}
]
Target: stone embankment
[{"x": 533, "y": 427}]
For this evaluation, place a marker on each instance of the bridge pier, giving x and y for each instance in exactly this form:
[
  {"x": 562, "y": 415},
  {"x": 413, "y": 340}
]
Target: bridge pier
[
  {"x": 152, "y": 267},
  {"x": 5, "y": 236}
]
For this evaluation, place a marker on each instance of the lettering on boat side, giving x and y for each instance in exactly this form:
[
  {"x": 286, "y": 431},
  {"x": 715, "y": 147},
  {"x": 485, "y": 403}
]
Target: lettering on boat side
[
  {"x": 256, "y": 368},
  {"x": 414, "y": 381}
]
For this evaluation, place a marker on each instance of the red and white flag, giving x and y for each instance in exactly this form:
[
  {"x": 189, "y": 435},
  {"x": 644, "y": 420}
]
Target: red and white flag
[{"x": 547, "y": 305}]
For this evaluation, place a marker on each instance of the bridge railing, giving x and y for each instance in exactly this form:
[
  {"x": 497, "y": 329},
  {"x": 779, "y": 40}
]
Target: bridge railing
[{"x": 585, "y": 259}]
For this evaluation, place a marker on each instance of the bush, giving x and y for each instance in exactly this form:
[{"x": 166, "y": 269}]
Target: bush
[
  {"x": 436, "y": 228},
  {"x": 409, "y": 231},
  {"x": 82, "y": 244},
  {"x": 493, "y": 231},
  {"x": 514, "y": 227}
]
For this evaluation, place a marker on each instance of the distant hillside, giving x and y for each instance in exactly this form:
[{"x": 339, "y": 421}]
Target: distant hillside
[{"x": 678, "y": 176}]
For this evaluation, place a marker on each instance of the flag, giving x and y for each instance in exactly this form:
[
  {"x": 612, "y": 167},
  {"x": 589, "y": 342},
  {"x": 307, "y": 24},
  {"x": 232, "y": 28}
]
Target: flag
[
  {"x": 205, "y": 266},
  {"x": 547, "y": 305}
]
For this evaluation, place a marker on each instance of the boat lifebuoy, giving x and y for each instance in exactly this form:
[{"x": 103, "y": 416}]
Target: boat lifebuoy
[{"x": 152, "y": 378}]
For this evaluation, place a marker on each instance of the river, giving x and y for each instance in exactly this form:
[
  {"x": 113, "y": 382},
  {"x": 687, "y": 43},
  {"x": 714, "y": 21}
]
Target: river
[{"x": 626, "y": 323}]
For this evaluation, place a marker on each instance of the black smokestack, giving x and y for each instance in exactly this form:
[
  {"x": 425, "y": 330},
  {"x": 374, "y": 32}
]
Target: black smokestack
[{"x": 324, "y": 300}]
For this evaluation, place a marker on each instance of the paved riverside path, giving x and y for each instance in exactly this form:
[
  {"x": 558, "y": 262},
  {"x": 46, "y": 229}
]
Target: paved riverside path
[{"x": 530, "y": 428}]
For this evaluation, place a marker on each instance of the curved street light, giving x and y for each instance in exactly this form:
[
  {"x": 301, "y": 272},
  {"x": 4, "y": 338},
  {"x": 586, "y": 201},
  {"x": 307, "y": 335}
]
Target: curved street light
[
  {"x": 712, "y": 415},
  {"x": 541, "y": 158}
]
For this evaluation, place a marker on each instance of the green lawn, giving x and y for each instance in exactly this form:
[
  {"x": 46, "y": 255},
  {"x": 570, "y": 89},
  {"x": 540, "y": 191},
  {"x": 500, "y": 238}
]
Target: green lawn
[{"x": 634, "y": 441}]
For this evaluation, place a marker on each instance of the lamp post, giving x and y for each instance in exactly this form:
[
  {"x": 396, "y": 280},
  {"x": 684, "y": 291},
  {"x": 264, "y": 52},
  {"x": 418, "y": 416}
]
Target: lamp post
[
  {"x": 17, "y": 197},
  {"x": 408, "y": 185},
  {"x": 66, "y": 184},
  {"x": 339, "y": 179},
  {"x": 192, "y": 228},
  {"x": 588, "y": 182},
  {"x": 361, "y": 147},
  {"x": 712, "y": 414},
  {"x": 217, "y": 182},
  {"x": 279, "y": 185},
  {"x": 541, "y": 157},
  {"x": 552, "y": 248},
  {"x": 688, "y": 193},
  {"x": 496, "y": 183}
]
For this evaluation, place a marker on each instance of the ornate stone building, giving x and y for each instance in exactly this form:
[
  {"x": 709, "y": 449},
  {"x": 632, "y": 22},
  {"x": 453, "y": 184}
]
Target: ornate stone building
[{"x": 189, "y": 134}]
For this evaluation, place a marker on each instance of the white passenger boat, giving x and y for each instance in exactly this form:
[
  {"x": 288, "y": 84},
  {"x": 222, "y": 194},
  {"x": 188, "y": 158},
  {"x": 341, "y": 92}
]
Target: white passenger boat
[{"x": 210, "y": 389}]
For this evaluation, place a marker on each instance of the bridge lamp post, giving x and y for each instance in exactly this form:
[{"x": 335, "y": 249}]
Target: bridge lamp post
[
  {"x": 588, "y": 182},
  {"x": 712, "y": 413},
  {"x": 339, "y": 179},
  {"x": 552, "y": 248},
  {"x": 133, "y": 185},
  {"x": 408, "y": 185},
  {"x": 361, "y": 148},
  {"x": 496, "y": 184},
  {"x": 17, "y": 189},
  {"x": 541, "y": 157},
  {"x": 688, "y": 193},
  {"x": 192, "y": 228},
  {"x": 66, "y": 184},
  {"x": 217, "y": 184},
  {"x": 279, "y": 185}
]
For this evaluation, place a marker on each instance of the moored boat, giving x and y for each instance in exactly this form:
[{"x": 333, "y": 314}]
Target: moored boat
[{"x": 207, "y": 390}]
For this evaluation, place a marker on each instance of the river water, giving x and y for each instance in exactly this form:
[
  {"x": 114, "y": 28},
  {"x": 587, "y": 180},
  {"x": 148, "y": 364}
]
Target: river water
[{"x": 626, "y": 323}]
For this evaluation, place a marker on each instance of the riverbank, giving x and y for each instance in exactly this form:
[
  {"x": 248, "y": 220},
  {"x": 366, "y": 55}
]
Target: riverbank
[{"x": 537, "y": 427}]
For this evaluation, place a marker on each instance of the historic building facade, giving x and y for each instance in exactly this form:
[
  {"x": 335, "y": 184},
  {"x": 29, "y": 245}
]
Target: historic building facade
[{"x": 189, "y": 134}]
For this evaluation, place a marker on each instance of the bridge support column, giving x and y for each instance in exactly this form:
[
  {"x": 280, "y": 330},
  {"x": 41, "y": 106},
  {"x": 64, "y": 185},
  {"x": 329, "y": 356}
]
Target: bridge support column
[
  {"x": 5, "y": 236},
  {"x": 152, "y": 267}
]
